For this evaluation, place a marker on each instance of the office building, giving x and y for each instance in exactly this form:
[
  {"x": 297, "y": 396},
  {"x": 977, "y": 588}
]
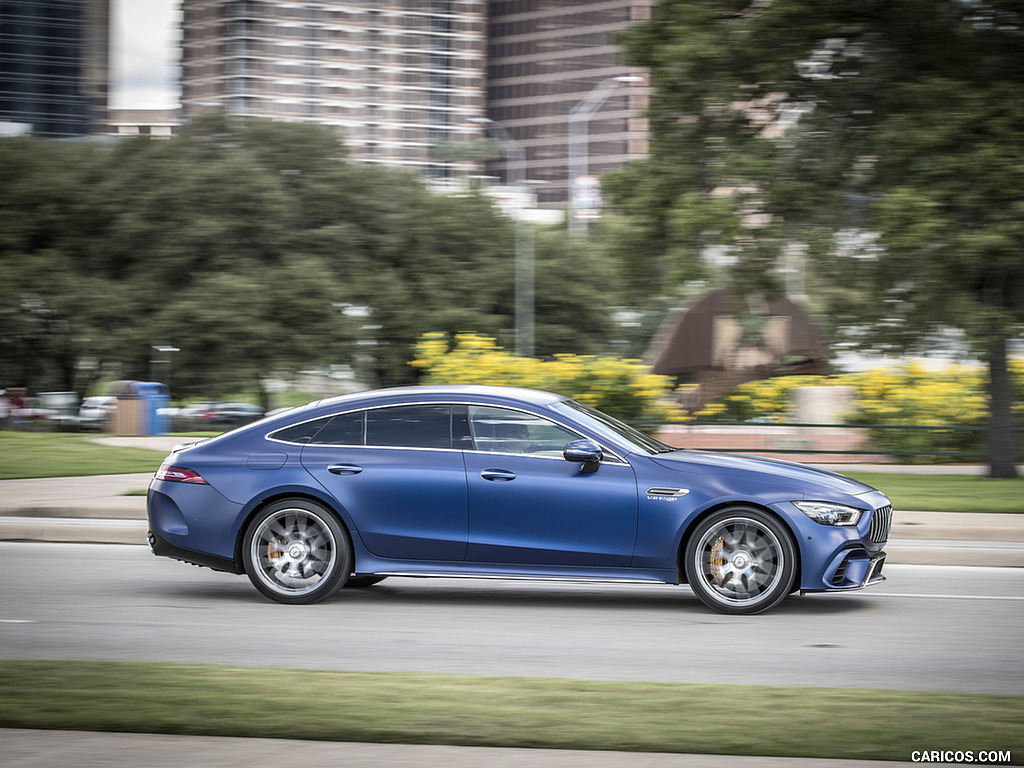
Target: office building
[
  {"x": 544, "y": 58},
  {"x": 406, "y": 82},
  {"x": 54, "y": 65},
  {"x": 398, "y": 79}
]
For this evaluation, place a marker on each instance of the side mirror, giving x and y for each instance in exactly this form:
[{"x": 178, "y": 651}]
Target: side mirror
[{"x": 586, "y": 451}]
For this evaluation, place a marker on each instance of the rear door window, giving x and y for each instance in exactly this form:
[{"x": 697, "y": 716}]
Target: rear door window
[
  {"x": 343, "y": 429},
  {"x": 410, "y": 426}
]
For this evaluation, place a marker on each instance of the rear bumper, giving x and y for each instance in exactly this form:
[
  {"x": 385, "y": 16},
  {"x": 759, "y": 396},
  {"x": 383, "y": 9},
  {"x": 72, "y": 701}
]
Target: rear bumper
[{"x": 161, "y": 547}]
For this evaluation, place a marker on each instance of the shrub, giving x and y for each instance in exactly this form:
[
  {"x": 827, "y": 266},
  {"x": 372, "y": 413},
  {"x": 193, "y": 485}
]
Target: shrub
[
  {"x": 766, "y": 399},
  {"x": 908, "y": 409},
  {"x": 622, "y": 388}
]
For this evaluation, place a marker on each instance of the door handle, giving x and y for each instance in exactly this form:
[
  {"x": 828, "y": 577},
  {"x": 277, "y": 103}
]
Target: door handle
[
  {"x": 344, "y": 469},
  {"x": 500, "y": 475}
]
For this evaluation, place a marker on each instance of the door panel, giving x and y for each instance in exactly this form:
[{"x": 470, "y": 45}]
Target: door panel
[
  {"x": 407, "y": 503},
  {"x": 544, "y": 511}
]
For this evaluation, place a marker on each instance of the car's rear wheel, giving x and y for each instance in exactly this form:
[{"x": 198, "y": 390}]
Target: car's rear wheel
[
  {"x": 295, "y": 551},
  {"x": 740, "y": 560}
]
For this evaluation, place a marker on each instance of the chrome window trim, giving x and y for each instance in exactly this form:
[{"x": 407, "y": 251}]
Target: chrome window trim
[{"x": 615, "y": 457}]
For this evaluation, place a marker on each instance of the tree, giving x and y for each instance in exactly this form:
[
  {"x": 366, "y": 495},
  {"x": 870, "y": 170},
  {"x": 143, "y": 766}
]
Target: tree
[
  {"x": 255, "y": 248},
  {"x": 882, "y": 137}
]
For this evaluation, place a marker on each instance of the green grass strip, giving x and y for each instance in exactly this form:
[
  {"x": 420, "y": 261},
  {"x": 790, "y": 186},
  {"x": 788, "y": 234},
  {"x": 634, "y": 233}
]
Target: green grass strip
[
  {"x": 946, "y": 493},
  {"x": 504, "y": 712},
  {"x": 37, "y": 454}
]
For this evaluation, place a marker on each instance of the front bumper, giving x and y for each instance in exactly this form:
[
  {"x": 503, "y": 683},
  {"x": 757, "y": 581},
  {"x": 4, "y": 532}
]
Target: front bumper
[
  {"x": 844, "y": 557},
  {"x": 853, "y": 569}
]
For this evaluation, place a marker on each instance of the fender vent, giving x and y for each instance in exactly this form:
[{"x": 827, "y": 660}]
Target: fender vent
[{"x": 676, "y": 492}]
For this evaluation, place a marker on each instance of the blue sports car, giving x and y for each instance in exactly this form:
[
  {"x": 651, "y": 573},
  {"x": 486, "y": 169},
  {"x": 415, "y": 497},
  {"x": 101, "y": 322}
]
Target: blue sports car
[{"x": 504, "y": 482}]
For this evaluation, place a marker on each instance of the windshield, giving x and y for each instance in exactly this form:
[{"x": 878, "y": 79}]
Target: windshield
[{"x": 611, "y": 428}]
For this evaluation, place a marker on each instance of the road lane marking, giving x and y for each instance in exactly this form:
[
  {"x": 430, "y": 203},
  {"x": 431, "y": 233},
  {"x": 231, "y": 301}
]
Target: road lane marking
[{"x": 944, "y": 597}]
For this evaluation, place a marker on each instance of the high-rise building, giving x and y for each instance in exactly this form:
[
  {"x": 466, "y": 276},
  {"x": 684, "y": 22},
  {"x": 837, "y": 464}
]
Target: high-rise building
[
  {"x": 54, "y": 65},
  {"x": 404, "y": 80},
  {"x": 397, "y": 78},
  {"x": 545, "y": 57}
]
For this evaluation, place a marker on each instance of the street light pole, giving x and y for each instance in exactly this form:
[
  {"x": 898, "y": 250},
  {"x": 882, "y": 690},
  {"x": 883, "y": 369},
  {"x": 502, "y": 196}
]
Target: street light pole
[
  {"x": 515, "y": 178},
  {"x": 579, "y": 122},
  {"x": 161, "y": 356}
]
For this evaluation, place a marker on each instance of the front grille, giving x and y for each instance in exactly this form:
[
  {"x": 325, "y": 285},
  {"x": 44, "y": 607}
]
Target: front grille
[{"x": 881, "y": 522}]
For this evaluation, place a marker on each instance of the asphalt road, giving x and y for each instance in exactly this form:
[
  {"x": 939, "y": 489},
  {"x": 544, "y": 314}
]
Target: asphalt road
[{"x": 941, "y": 628}]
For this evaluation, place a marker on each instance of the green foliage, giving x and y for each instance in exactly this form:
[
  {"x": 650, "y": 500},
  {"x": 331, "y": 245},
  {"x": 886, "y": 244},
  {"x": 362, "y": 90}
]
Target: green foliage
[
  {"x": 623, "y": 388},
  {"x": 257, "y": 249},
  {"x": 882, "y": 137}
]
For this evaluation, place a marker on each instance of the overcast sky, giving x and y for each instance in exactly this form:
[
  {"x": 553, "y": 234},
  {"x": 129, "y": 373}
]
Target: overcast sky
[{"x": 144, "y": 48}]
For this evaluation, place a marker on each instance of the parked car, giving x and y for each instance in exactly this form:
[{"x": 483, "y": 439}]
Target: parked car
[
  {"x": 95, "y": 411},
  {"x": 227, "y": 415},
  {"x": 496, "y": 481},
  {"x": 31, "y": 411}
]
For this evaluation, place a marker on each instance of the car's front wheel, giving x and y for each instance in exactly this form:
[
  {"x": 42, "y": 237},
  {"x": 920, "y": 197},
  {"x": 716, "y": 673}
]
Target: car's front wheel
[
  {"x": 295, "y": 551},
  {"x": 740, "y": 560}
]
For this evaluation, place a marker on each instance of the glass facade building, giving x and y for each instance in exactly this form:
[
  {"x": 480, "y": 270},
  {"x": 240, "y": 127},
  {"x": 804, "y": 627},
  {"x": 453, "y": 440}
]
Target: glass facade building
[{"x": 54, "y": 65}]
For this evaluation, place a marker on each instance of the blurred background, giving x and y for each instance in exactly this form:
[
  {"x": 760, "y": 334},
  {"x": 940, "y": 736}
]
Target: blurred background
[{"x": 803, "y": 219}]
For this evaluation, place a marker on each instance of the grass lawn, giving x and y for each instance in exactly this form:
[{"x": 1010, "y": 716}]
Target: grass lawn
[
  {"x": 45, "y": 454},
  {"x": 511, "y": 712},
  {"x": 947, "y": 493}
]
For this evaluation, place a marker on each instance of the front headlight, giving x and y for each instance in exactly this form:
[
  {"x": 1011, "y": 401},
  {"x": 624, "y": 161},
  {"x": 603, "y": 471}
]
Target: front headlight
[{"x": 827, "y": 513}]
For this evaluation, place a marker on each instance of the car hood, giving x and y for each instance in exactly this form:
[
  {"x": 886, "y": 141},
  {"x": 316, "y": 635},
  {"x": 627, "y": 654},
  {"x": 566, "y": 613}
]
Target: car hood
[{"x": 776, "y": 471}]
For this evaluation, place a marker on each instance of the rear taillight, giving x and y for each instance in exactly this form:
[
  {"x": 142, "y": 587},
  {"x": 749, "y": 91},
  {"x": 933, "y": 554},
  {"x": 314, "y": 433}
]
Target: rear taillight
[{"x": 179, "y": 475}]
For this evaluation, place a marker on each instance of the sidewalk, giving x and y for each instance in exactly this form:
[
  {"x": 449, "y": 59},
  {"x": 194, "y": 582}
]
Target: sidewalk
[
  {"x": 98, "y": 510},
  {"x": 67, "y": 749}
]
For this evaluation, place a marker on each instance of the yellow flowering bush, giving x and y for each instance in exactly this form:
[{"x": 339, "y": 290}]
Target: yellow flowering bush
[
  {"x": 623, "y": 388},
  {"x": 766, "y": 399},
  {"x": 910, "y": 409},
  {"x": 914, "y": 397}
]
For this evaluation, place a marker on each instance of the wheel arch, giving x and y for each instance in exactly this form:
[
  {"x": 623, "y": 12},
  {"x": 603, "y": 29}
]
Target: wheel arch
[
  {"x": 706, "y": 513},
  {"x": 279, "y": 494}
]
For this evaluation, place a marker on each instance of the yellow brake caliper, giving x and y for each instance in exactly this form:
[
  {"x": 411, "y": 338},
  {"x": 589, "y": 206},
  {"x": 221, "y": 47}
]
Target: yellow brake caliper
[
  {"x": 717, "y": 563},
  {"x": 274, "y": 552}
]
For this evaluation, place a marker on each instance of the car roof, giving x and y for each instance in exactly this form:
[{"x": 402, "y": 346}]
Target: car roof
[{"x": 442, "y": 392}]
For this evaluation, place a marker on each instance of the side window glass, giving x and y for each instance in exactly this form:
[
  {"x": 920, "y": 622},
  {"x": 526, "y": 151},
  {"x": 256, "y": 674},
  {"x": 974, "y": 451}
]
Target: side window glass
[
  {"x": 506, "y": 431},
  {"x": 300, "y": 433},
  {"x": 343, "y": 429},
  {"x": 410, "y": 426}
]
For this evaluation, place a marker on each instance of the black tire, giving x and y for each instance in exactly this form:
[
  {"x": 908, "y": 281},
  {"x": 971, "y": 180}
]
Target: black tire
[
  {"x": 295, "y": 551},
  {"x": 740, "y": 560}
]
